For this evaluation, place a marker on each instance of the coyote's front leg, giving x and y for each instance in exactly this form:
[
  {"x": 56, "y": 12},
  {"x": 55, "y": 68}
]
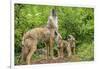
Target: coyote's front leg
[{"x": 52, "y": 36}]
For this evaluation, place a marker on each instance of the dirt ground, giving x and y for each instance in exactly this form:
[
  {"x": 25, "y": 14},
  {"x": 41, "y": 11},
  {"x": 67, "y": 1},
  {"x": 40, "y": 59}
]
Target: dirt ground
[{"x": 57, "y": 60}]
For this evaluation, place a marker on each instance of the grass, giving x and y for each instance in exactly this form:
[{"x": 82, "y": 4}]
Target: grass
[{"x": 85, "y": 51}]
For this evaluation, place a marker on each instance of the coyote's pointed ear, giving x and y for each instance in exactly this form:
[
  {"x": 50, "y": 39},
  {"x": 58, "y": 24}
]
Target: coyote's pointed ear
[{"x": 54, "y": 12}]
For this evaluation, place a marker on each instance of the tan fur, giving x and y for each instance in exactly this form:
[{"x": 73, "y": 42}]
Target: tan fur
[
  {"x": 30, "y": 40},
  {"x": 69, "y": 44},
  {"x": 71, "y": 40},
  {"x": 32, "y": 37}
]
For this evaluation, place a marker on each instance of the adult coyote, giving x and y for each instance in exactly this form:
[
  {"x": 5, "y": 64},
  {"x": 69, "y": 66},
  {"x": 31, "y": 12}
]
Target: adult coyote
[{"x": 44, "y": 34}]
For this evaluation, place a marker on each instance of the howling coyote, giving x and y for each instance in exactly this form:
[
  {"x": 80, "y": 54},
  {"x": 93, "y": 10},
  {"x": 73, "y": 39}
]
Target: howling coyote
[{"x": 41, "y": 34}]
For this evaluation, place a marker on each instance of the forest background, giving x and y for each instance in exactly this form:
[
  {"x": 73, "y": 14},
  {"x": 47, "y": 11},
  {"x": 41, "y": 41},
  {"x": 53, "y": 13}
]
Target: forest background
[{"x": 78, "y": 21}]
